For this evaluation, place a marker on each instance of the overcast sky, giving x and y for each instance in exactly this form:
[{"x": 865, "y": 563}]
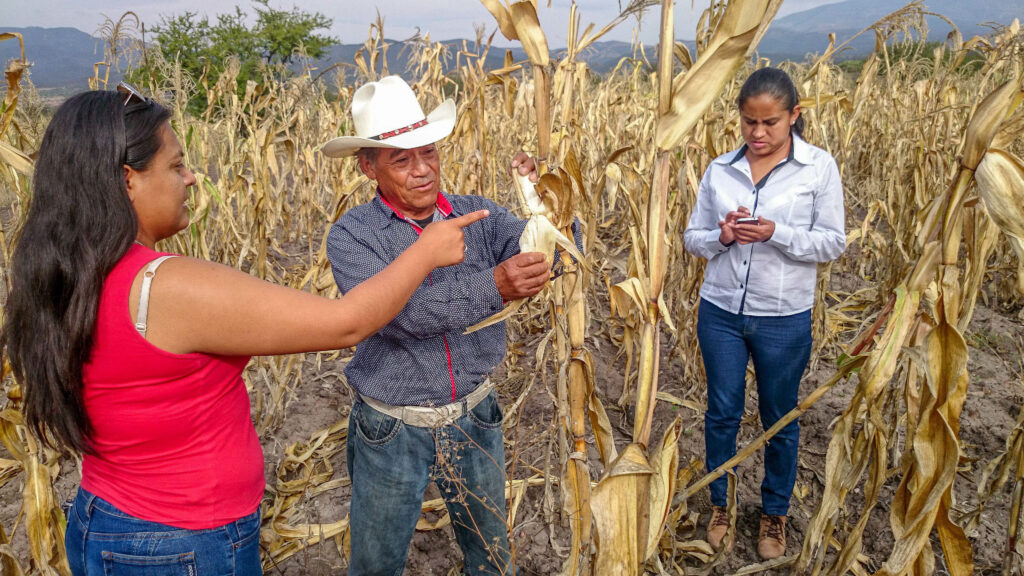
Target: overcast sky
[{"x": 442, "y": 19}]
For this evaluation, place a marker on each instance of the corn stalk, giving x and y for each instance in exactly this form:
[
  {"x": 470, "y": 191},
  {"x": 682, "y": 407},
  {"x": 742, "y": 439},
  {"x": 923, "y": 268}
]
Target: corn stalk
[
  {"x": 639, "y": 492},
  {"x": 924, "y": 498},
  {"x": 519, "y": 21}
]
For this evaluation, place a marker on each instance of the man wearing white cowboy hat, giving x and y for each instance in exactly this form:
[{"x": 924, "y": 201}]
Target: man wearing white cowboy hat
[{"x": 425, "y": 409}]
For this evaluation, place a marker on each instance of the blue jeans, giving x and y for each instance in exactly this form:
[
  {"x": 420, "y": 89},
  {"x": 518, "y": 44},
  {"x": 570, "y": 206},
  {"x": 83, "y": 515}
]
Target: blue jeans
[
  {"x": 780, "y": 347},
  {"x": 104, "y": 541},
  {"x": 391, "y": 463}
]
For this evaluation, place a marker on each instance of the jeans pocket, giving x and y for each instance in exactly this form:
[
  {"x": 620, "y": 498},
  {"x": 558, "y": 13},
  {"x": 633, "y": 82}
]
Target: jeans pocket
[
  {"x": 247, "y": 547},
  {"x": 115, "y": 564},
  {"x": 487, "y": 414},
  {"x": 248, "y": 528},
  {"x": 374, "y": 428}
]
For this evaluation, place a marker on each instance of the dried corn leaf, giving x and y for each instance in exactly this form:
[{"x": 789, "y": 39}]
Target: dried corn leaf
[
  {"x": 44, "y": 521},
  {"x": 524, "y": 18},
  {"x": 665, "y": 463},
  {"x": 16, "y": 159},
  {"x": 599, "y": 422},
  {"x": 9, "y": 564},
  {"x": 499, "y": 10},
  {"x": 881, "y": 365},
  {"x": 981, "y": 238},
  {"x": 15, "y": 70},
  {"x": 986, "y": 120},
  {"x": 10, "y": 420},
  {"x": 288, "y": 540},
  {"x": 9, "y": 469},
  {"x": 933, "y": 461},
  {"x": 629, "y": 291},
  {"x": 1000, "y": 179},
  {"x": 617, "y": 516},
  {"x": 578, "y": 504},
  {"x": 695, "y": 90},
  {"x": 310, "y": 533}
]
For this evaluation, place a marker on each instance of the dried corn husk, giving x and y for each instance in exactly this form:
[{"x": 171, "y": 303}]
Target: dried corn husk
[{"x": 540, "y": 235}]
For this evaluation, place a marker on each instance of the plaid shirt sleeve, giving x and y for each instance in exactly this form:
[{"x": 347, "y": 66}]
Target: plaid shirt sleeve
[{"x": 459, "y": 297}]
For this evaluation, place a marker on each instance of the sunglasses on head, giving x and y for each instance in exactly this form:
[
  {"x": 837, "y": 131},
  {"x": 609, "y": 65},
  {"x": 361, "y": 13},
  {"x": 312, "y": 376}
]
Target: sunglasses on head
[{"x": 131, "y": 93}]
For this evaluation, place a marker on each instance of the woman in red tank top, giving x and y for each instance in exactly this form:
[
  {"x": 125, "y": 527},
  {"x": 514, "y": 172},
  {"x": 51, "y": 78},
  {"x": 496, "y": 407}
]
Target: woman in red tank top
[{"x": 140, "y": 372}]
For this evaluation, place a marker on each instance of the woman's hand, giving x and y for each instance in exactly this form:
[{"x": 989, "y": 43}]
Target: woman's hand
[
  {"x": 444, "y": 241},
  {"x": 728, "y": 225},
  {"x": 750, "y": 233}
]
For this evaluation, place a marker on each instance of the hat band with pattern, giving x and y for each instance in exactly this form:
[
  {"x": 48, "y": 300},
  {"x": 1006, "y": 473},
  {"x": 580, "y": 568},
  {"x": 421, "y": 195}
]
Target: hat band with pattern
[{"x": 401, "y": 130}]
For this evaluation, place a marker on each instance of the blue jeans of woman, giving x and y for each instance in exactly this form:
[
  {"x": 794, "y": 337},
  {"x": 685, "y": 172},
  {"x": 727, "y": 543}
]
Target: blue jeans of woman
[
  {"x": 780, "y": 347},
  {"x": 104, "y": 541},
  {"x": 391, "y": 463}
]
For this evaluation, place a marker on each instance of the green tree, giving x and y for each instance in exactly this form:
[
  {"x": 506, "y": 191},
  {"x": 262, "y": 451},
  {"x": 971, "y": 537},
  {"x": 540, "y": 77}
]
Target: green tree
[
  {"x": 268, "y": 46},
  {"x": 278, "y": 33}
]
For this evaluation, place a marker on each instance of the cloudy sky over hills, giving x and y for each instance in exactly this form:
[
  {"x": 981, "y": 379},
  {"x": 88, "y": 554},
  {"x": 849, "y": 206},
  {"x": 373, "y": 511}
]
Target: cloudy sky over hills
[{"x": 442, "y": 19}]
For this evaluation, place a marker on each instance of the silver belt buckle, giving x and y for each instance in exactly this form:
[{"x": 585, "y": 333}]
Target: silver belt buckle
[{"x": 449, "y": 413}]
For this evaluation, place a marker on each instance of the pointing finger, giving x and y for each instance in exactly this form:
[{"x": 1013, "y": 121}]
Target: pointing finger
[{"x": 466, "y": 220}]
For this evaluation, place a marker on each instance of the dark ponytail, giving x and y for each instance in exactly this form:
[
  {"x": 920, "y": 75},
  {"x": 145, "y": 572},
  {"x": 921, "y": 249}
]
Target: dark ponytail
[
  {"x": 776, "y": 84},
  {"x": 80, "y": 223}
]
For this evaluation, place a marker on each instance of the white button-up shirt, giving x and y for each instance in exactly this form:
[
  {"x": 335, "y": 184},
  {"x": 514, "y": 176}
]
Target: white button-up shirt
[{"x": 803, "y": 196}]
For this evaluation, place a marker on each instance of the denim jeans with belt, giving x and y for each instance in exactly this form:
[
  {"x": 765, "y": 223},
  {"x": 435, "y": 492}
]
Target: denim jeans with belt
[
  {"x": 391, "y": 463},
  {"x": 780, "y": 347},
  {"x": 104, "y": 541}
]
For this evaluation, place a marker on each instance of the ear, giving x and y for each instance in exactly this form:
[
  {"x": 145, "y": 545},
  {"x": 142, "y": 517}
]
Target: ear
[
  {"x": 130, "y": 184},
  {"x": 796, "y": 113},
  {"x": 369, "y": 168}
]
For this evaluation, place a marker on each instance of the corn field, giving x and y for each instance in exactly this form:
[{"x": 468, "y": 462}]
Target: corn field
[{"x": 603, "y": 386}]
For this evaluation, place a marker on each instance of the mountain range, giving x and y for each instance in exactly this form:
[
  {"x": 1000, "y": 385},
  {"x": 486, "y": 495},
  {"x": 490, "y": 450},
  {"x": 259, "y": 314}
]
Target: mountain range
[
  {"x": 805, "y": 32},
  {"x": 63, "y": 58}
]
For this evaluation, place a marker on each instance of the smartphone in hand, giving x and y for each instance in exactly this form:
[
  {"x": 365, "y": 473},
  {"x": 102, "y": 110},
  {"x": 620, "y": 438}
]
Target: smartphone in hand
[{"x": 753, "y": 221}]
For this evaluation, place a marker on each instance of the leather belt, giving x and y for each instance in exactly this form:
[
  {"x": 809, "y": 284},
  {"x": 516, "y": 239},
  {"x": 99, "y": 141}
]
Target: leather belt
[{"x": 433, "y": 416}]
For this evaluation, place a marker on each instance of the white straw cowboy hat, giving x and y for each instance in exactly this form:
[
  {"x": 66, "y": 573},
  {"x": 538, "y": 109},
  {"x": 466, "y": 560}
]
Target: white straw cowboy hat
[{"x": 387, "y": 115}]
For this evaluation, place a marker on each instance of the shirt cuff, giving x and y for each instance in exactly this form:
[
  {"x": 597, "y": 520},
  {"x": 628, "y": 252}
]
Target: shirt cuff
[
  {"x": 484, "y": 297},
  {"x": 782, "y": 237},
  {"x": 713, "y": 242}
]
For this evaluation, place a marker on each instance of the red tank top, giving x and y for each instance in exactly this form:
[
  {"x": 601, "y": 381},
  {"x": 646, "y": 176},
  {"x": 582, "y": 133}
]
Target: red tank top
[{"x": 174, "y": 441}]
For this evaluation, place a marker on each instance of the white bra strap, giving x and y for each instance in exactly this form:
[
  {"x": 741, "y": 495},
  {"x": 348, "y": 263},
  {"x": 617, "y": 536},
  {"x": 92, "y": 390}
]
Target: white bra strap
[{"x": 147, "y": 279}]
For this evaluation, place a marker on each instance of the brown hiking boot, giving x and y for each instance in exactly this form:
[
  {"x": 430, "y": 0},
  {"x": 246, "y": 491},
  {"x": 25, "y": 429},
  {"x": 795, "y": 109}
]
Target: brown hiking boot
[
  {"x": 771, "y": 541},
  {"x": 718, "y": 526}
]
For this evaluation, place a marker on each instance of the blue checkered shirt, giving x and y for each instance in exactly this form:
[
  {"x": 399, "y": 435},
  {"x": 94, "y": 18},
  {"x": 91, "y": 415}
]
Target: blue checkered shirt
[{"x": 422, "y": 357}]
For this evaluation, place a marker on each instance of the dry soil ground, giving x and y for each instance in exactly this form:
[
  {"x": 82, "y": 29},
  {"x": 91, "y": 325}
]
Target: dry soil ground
[{"x": 992, "y": 408}]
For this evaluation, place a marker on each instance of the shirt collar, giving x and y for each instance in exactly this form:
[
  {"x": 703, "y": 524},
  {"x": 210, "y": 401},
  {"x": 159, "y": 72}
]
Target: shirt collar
[
  {"x": 800, "y": 151},
  {"x": 389, "y": 212},
  {"x": 443, "y": 205}
]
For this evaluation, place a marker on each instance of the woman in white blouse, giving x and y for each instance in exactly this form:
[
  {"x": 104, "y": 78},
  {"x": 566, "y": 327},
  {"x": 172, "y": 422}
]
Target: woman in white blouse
[{"x": 766, "y": 215}]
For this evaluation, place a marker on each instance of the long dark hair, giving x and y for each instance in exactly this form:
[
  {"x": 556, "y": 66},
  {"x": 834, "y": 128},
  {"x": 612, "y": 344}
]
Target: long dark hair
[
  {"x": 80, "y": 223},
  {"x": 776, "y": 84}
]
